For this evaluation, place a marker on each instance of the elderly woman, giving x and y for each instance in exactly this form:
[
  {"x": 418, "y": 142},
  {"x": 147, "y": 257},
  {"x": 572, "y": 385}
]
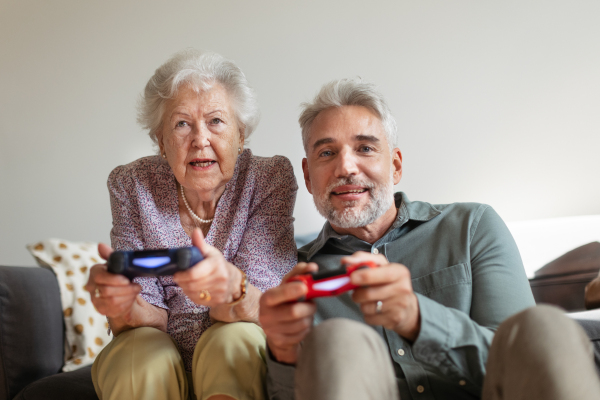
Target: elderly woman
[{"x": 197, "y": 328}]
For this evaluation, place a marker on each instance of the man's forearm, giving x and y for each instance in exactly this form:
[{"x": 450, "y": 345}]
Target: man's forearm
[{"x": 141, "y": 314}]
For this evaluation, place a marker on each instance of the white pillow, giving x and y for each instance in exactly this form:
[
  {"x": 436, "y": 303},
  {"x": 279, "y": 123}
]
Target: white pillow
[{"x": 86, "y": 329}]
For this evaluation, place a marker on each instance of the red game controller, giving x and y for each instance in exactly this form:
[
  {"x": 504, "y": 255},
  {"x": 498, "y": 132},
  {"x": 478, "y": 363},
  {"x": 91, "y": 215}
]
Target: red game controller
[{"x": 330, "y": 283}]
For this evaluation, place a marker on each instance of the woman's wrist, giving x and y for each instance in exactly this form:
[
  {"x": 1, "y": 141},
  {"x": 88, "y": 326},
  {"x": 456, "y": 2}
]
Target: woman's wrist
[{"x": 240, "y": 290}]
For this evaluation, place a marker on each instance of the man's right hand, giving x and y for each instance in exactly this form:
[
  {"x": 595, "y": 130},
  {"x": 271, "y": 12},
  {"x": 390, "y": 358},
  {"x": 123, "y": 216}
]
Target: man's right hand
[
  {"x": 112, "y": 295},
  {"x": 286, "y": 321}
]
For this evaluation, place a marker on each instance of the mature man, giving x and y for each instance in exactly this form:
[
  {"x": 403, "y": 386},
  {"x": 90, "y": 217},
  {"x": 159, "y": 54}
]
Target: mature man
[{"x": 447, "y": 276}]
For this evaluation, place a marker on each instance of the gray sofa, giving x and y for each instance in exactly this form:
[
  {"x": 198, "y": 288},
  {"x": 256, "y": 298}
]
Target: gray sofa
[{"x": 32, "y": 339}]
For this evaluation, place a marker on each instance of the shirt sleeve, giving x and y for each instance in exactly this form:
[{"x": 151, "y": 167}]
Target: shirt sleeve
[
  {"x": 280, "y": 379},
  {"x": 457, "y": 344},
  {"x": 126, "y": 231},
  {"x": 268, "y": 249}
]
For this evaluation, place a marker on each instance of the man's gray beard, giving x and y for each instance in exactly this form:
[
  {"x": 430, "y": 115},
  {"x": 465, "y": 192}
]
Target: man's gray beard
[{"x": 350, "y": 216}]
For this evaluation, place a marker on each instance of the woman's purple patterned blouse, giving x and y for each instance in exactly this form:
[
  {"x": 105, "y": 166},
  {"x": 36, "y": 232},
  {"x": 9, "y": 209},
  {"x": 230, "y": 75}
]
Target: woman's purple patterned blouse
[{"x": 252, "y": 227}]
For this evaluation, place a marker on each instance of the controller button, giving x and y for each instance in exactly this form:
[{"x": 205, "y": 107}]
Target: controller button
[
  {"x": 400, "y": 352},
  {"x": 375, "y": 251}
]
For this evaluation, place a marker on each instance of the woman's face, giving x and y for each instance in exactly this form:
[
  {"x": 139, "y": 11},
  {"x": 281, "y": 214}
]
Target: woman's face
[{"x": 201, "y": 137}]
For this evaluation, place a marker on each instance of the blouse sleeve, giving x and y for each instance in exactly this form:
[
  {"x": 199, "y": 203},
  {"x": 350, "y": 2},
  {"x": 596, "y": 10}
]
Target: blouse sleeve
[
  {"x": 268, "y": 251},
  {"x": 126, "y": 231}
]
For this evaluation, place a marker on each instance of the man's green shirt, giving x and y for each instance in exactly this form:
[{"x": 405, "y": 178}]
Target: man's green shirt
[{"x": 468, "y": 277}]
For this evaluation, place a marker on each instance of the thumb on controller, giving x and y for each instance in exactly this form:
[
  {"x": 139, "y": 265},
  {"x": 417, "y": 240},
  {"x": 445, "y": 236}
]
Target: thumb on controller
[{"x": 200, "y": 243}]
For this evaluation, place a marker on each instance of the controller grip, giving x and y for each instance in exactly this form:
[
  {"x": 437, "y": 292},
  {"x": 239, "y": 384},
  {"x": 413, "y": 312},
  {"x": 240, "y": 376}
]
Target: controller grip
[
  {"x": 184, "y": 258},
  {"x": 117, "y": 262},
  {"x": 187, "y": 257}
]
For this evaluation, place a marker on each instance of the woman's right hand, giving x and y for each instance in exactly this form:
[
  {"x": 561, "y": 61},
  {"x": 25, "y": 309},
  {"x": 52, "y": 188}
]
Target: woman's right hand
[{"x": 113, "y": 295}]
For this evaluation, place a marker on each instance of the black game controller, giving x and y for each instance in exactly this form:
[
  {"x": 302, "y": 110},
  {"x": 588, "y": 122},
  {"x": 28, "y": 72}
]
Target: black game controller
[{"x": 153, "y": 262}]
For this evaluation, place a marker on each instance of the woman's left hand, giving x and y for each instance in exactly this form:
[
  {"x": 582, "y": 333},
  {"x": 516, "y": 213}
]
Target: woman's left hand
[{"x": 212, "y": 281}]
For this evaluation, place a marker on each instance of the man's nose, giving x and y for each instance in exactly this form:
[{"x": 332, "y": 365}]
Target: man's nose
[{"x": 347, "y": 164}]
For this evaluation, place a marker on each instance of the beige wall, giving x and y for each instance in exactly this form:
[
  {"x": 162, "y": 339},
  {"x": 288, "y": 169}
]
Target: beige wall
[{"x": 496, "y": 102}]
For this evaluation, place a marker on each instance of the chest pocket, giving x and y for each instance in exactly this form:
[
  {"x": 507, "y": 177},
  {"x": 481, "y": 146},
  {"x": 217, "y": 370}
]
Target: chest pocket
[{"x": 451, "y": 286}]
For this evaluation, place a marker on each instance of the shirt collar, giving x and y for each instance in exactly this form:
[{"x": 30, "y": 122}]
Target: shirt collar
[{"x": 407, "y": 210}]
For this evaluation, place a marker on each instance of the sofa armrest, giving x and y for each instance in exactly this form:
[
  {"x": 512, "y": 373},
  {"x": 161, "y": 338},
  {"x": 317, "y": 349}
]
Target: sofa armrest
[{"x": 31, "y": 327}]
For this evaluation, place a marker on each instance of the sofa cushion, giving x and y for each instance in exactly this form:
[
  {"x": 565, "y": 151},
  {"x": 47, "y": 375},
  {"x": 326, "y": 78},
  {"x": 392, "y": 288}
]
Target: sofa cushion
[
  {"x": 74, "y": 385},
  {"x": 590, "y": 322},
  {"x": 31, "y": 327}
]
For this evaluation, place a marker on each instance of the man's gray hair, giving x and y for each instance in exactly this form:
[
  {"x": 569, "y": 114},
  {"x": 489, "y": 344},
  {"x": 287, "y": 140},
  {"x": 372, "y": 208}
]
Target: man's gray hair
[
  {"x": 201, "y": 71},
  {"x": 348, "y": 92}
]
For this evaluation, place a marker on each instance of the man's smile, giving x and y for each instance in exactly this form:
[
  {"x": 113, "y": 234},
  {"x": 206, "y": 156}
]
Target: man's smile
[{"x": 349, "y": 192}]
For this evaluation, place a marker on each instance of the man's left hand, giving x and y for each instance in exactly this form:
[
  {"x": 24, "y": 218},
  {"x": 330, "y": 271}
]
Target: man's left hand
[{"x": 390, "y": 286}]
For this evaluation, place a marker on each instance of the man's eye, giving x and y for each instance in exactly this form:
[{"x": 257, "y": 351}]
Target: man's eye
[
  {"x": 325, "y": 153},
  {"x": 181, "y": 124},
  {"x": 366, "y": 149}
]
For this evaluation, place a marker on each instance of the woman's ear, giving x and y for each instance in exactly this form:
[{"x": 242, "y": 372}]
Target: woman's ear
[
  {"x": 242, "y": 138},
  {"x": 161, "y": 146}
]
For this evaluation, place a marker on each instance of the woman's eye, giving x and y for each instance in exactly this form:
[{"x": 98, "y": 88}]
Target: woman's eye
[
  {"x": 181, "y": 124},
  {"x": 215, "y": 121}
]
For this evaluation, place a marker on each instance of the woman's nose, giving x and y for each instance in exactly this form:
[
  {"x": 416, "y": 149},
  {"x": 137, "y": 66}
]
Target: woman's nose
[{"x": 200, "y": 135}]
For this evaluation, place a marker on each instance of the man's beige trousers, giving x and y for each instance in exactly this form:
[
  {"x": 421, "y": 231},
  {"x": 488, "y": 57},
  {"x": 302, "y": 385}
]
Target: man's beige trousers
[{"x": 538, "y": 354}]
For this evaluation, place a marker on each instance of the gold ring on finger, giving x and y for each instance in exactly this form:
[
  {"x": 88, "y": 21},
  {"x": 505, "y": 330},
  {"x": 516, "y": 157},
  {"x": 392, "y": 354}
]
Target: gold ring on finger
[{"x": 204, "y": 295}]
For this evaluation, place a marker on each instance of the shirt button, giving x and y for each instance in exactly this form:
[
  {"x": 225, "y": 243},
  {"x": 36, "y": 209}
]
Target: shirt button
[
  {"x": 196, "y": 326},
  {"x": 196, "y": 311},
  {"x": 420, "y": 389},
  {"x": 375, "y": 251},
  {"x": 400, "y": 352},
  {"x": 462, "y": 382}
]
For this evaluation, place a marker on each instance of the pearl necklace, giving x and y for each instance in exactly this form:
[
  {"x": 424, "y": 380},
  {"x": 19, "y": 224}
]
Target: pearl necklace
[{"x": 197, "y": 218}]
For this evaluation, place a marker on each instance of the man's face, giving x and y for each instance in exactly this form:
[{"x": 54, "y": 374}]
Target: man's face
[{"x": 349, "y": 168}]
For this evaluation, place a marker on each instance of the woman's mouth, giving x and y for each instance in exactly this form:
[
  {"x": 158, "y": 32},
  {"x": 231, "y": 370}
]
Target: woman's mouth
[{"x": 202, "y": 164}]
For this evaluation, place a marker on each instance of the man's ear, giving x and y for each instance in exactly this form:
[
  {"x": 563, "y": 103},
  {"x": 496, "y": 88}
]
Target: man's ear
[
  {"x": 397, "y": 165},
  {"x": 306, "y": 175}
]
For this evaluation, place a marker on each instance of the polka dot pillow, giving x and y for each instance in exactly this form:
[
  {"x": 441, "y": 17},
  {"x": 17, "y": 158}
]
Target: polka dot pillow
[{"x": 86, "y": 329}]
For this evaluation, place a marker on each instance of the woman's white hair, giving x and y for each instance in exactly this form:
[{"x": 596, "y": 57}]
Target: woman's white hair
[
  {"x": 348, "y": 92},
  {"x": 201, "y": 71}
]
